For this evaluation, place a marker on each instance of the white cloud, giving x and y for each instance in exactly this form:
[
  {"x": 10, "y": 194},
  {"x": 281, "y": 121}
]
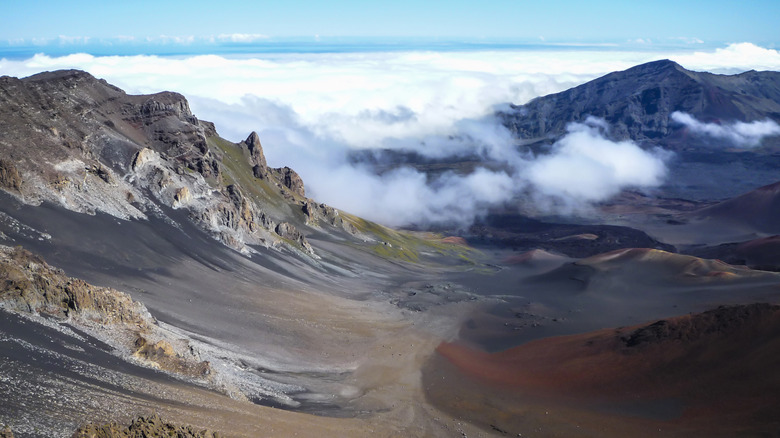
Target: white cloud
[
  {"x": 741, "y": 134},
  {"x": 734, "y": 58},
  {"x": 241, "y": 37},
  {"x": 171, "y": 39},
  {"x": 70, "y": 40},
  {"x": 311, "y": 110},
  {"x": 586, "y": 167},
  {"x": 688, "y": 40}
]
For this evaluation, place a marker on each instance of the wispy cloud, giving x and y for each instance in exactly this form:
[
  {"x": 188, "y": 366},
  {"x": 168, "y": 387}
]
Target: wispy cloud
[
  {"x": 585, "y": 166},
  {"x": 688, "y": 40},
  {"x": 241, "y": 37},
  {"x": 73, "y": 40},
  {"x": 741, "y": 134},
  {"x": 171, "y": 39}
]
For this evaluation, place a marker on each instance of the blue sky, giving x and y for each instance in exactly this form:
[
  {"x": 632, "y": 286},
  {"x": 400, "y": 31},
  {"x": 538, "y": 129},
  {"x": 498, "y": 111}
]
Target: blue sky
[{"x": 663, "y": 21}]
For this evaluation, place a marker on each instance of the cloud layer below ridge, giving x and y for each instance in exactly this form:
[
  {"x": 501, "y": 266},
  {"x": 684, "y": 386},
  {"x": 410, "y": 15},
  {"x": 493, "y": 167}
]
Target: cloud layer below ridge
[{"x": 312, "y": 110}]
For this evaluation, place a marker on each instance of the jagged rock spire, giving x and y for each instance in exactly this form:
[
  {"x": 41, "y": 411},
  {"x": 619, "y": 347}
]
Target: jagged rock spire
[{"x": 256, "y": 156}]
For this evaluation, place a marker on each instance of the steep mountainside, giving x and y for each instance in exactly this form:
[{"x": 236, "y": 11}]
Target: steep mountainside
[
  {"x": 185, "y": 262},
  {"x": 76, "y": 141},
  {"x": 638, "y": 102}
]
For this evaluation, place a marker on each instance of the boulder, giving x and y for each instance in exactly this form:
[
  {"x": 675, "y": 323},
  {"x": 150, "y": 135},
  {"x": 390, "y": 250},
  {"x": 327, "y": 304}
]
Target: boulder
[
  {"x": 9, "y": 176},
  {"x": 288, "y": 231},
  {"x": 142, "y": 157},
  {"x": 182, "y": 197}
]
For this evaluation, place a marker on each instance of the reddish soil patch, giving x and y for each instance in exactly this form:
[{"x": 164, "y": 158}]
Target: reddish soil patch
[
  {"x": 715, "y": 373},
  {"x": 455, "y": 240}
]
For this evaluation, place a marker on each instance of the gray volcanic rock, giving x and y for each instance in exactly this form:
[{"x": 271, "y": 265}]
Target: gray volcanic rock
[
  {"x": 76, "y": 141},
  {"x": 9, "y": 176},
  {"x": 288, "y": 231},
  {"x": 638, "y": 102},
  {"x": 286, "y": 176},
  {"x": 316, "y": 213},
  {"x": 291, "y": 180},
  {"x": 256, "y": 156}
]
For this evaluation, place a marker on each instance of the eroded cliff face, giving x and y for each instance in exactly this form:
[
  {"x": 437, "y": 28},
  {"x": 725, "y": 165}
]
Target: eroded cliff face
[
  {"x": 76, "y": 141},
  {"x": 30, "y": 286}
]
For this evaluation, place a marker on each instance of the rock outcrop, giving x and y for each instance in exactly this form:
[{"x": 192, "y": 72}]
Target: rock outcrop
[
  {"x": 142, "y": 157},
  {"x": 288, "y": 231},
  {"x": 290, "y": 179},
  {"x": 143, "y": 427},
  {"x": 162, "y": 355},
  {"x": 317, "y": 213},
  {"x": 182, "y": 197},
  {"x": 29, "y": 285},
  {"x": 6, "y": 432},
  {"x": 712, "y": 324},
  {"x": 256, "y": 155},
  {"x": 9, "y": 176}
]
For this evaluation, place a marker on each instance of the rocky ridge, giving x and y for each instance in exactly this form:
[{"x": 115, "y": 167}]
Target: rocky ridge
[
  {"x": 709, "y": 325},
  {"x": 76, "y": 141},
  {"x": 637, "y": 103}
]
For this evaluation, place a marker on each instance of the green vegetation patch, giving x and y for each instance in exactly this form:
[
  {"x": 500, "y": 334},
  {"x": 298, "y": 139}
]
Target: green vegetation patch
[
  {"x": 411, "y": 246},
  {"x": 237, "y": 170}
]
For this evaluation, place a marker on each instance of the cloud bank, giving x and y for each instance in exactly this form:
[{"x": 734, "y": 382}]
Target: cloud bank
[
  {"x": 734, "y": 58},
  {"x": 740, "y": 134},
  {"x": 313, "y": 110},
  {"x": 585, "y": 166}
]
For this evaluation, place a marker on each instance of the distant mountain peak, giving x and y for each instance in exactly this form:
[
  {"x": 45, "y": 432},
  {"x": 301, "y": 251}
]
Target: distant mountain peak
[
  {"x": 658, "y": 65},
  {"x": 638, "y": 102},
  {"x": 60, "y": 74}
]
